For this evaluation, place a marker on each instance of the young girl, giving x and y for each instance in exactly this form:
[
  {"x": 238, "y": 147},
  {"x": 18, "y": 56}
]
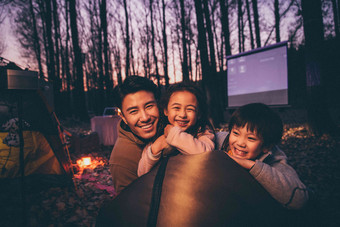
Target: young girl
[
  {"x": 188, "y": 129},
  {"x": 255, "y": 130}
]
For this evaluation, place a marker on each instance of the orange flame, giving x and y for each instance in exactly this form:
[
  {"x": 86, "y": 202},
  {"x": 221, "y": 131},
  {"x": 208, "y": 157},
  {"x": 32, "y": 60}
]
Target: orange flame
[{"x": 88, "y": 163}]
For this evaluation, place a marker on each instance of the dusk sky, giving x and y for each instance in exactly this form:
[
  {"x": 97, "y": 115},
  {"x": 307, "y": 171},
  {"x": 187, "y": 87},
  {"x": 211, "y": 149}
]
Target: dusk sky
[{"x": 12, "y": 46}]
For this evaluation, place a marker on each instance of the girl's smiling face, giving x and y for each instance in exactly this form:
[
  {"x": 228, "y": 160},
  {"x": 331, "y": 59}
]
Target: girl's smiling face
[
  {"x": 182, "y": 109},
  {"x": 245, "y": 144}
]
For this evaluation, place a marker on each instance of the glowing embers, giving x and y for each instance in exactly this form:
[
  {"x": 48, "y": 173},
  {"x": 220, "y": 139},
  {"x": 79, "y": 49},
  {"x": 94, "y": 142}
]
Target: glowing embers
[
  {"x": 88, "y": 164},
  {"x": 91, "y": 173},
  {"x": 86, "y": 161}
]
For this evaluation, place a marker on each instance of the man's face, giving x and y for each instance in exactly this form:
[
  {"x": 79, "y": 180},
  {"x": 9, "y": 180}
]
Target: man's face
[{"x": 141, "y": 114}]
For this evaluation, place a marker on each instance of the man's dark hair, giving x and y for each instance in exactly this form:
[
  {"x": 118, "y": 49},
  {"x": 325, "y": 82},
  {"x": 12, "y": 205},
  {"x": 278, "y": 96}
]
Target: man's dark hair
[
  {"x": 133, "y": 84},
  {"x": 261, "y": 119}
]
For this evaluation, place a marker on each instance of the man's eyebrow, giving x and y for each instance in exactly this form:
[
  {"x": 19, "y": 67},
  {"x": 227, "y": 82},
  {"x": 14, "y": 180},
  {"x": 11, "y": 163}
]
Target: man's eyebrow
[
  {"x": 131, "y": 108},
  {"x": 151, "y": 102},
  {"x": 136, "y": 107}
]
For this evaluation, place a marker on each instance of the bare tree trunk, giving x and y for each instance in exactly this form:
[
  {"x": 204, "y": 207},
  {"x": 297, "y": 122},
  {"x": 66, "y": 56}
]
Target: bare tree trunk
[
  {"x": 278, "y": 17},
  {"x": 216, "y": 83},
  {"x": 56, "y": 41},
  {"x": 197, "y": 65},
  {"x": 50, "y": 45},
  {"x": 224, "y": 5},
  {"x": 93, "y": 17},
  {"x": 127, "y": 41},
  {"x": 92, "y": 62},
  {"x": 99, "y": 54},
  {"x": 57, "y": 80},
  {"x": 210, "y": 36},
  {"x": 67, "y": 62},
  {"x": 185, "y": 69},
  {"x": 178, "y": 42},
  {"x": 51, "y": 65},
  {"x": 189, "y": 62},
  {"x": 36, "y": 40},
  {"x": 191, "y": 40},
  {"x": 131, "y": 54},
  {"x": 147, "y": 43},
  {"x": 338, "y": 3},
  {"x": 153, "y": 44},
  {"x": 208, "y": 78},
  {"x": 240, "y": 26},
  {"x": 79, "y": 75},
  {"x": 219, "y": 50},
  {"x": 250, "y": 26},
  {"x": 106, "y": 52},
  {"x": 256, "y": 23},
  {"x": 202, "y": 41},
  {"x": 225, "y": 25},
  {"x": 62, "y": 70},
  {"x": 319, "y": 118},
  {"x": 116, "y": 54},
  {"x": 43, "y": 26},
  {"x": 165, "y": 44},
  {"x": 336, "y": 17},
  {"x": 277, "y": 20}
]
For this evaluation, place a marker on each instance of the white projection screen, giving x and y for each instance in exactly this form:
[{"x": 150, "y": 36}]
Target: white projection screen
[{"x": 260, "y": 75}]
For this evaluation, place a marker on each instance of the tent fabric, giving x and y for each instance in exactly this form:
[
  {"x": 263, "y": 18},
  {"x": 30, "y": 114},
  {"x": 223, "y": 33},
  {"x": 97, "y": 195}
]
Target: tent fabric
[
  {"x": 208, "y": 189},
  {"x": 44, "y": 151},
  {"x": 38, "y": 155}
]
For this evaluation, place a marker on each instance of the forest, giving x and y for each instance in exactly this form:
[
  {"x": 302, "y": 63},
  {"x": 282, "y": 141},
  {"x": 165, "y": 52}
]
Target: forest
[{"x": 86, "y": 48}]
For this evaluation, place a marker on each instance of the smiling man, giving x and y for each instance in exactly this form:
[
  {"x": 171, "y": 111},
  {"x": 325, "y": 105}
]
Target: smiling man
[{"x": 140, "y": 115}]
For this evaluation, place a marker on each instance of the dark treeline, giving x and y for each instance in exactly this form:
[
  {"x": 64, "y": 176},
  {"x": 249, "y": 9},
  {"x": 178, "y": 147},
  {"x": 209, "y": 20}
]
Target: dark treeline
[{"x": 86, "y": 48}]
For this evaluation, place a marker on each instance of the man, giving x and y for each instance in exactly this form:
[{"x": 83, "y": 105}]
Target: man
[{"x": 140, "y": 115}]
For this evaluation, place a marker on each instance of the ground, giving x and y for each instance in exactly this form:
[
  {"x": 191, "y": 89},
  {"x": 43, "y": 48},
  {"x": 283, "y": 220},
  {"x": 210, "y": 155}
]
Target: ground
[{"x": 314, "y": 158}]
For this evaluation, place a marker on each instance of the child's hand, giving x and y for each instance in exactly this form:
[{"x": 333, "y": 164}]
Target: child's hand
[
  {"x": 167, "y": 130},
  {"x": 159, "y": 145},
  {"x": 245, "y": 163}
]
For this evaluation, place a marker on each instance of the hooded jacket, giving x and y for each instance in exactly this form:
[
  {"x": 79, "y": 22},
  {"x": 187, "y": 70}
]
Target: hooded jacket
[
  {"x": 273, "y": 172},
  {"x": 125, "y": 156}
]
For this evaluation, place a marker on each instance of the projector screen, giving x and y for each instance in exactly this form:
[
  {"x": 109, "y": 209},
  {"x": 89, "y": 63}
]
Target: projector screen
[{"x": 260, "y": 75}]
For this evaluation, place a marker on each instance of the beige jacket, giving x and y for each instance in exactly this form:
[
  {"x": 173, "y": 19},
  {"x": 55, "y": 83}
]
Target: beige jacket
[{"x": 124, "y": 158}]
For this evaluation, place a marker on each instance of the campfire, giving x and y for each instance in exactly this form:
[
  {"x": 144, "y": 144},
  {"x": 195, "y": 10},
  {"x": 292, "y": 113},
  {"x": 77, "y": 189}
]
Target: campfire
[
  {"x": 86, "y": 161},
  {"x": 92, "y": 171},
  {"x": 87, "y": 165}
]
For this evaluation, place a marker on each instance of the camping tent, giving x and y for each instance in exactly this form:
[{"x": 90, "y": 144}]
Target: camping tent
[
  {"x": 207, "y": 189},
  {"x": 45, "y": 157}
]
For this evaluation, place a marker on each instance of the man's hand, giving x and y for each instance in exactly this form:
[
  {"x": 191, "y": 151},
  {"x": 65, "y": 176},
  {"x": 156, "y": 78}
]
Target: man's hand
[
  {"x": 167, "y": 130},
  {"x": 159, "y": 145},
  {"x": 245, "y": 163}
]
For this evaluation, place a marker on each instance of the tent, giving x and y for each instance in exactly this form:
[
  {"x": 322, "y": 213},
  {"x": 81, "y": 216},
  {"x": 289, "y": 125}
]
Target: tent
[
  {"x": 45, "y": 157},
  {"x": 207, "y": 189}
]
